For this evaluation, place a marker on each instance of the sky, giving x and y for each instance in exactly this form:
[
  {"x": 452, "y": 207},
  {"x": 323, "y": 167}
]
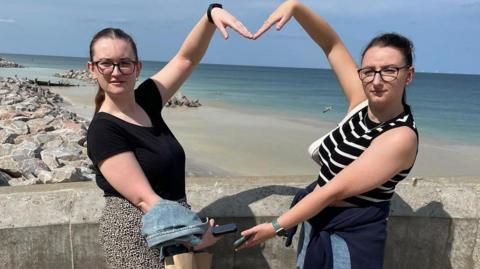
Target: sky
[{"x": 446, "y": 33}]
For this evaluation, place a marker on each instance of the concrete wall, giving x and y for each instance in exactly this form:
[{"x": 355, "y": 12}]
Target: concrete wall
[{"x": 434, "y": 222}]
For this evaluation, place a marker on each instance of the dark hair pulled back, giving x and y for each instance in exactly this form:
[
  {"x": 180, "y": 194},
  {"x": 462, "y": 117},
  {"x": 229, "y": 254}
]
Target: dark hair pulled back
[
  {"x": 397, "y": 41},
  {"x": 113, "y": 33}
]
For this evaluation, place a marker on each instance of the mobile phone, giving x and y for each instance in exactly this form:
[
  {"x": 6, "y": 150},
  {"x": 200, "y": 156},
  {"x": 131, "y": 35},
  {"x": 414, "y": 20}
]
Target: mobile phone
[
  {"x": 241, "y": 241},
  {"x": 224, "y": 229}
]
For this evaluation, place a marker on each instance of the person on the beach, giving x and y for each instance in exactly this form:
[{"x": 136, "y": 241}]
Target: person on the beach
[
  {"x": 137, "y": 159},
  {"x": 361, "y": 160}
]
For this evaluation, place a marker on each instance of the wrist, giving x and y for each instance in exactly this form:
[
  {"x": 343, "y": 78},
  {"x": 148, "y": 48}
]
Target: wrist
[
  {"x": 209, "y": 11},
  {"x": 279, "y": 230},
  {"x": 294, "y": 6},
  {"x": 147, "y": 204}
]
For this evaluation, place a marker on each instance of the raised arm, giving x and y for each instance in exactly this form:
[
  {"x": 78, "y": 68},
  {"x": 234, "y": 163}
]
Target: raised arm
[
  {"x": 170, "y": 78},
  {"x": 325, "y": 36}
]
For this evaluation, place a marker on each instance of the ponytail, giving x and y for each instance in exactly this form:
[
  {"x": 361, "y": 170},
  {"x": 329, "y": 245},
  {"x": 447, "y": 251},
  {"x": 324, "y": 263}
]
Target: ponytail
[
  {"x": 99, "y": 98},
  {"x": 404, "y": 97}
]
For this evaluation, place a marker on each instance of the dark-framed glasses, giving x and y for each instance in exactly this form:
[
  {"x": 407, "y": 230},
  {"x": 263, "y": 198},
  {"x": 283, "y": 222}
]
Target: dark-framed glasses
[
  {"x": 106, "y": 67},
  {"x": 387, "y": 74}
]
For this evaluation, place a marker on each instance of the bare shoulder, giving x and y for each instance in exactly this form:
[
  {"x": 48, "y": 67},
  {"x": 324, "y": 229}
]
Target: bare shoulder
[
  {"x": 400, "y": 138},
  {"x": 398, "y": 144}
]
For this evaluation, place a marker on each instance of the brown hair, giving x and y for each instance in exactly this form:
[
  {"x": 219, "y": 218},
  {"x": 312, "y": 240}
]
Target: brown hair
[{"x": 113, "y": 33}]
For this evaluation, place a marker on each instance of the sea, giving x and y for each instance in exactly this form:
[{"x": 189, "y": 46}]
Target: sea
[{"x": 446, "y": 107}]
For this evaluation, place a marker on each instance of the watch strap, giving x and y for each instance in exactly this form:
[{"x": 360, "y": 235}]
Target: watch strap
[
  {"x": 278, "y": 229},
  {"x": 209, "y": 11}
]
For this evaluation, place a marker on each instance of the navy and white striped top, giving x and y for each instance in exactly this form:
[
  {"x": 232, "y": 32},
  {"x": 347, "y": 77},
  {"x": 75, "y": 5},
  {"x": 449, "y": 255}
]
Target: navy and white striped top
[{"x": 347, "y": 142}]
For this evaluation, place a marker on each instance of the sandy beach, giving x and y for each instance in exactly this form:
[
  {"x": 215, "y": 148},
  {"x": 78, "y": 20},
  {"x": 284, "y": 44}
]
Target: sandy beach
[{"x": 223, "y": 141}]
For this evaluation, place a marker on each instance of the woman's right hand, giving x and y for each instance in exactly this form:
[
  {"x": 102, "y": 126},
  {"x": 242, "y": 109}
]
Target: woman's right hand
[
  {"x": 208, "y": 239},
  {"x": 279, "y": 17},
  {"x": 223, "y": 19}
]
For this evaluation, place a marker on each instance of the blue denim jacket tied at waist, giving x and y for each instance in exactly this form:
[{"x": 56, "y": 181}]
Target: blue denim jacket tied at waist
[{"x": 169, "y": 223}]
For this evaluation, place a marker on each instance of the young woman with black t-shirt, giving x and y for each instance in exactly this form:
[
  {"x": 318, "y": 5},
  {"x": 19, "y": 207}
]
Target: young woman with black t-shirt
[{"x": 137, "y": 158}]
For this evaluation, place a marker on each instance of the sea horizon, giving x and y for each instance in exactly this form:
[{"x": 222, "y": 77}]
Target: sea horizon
[
  {"x": 446, "y": 106},
  {"x": 85, "y": 58}
]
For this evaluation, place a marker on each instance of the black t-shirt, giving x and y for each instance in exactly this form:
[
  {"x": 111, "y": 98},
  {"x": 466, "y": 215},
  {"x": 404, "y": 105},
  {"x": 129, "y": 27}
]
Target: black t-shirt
[{"x": 158, "y": 152}]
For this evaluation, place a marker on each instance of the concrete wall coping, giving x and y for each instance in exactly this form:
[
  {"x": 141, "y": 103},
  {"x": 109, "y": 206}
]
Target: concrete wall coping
[{"x": 82, "y": 202}]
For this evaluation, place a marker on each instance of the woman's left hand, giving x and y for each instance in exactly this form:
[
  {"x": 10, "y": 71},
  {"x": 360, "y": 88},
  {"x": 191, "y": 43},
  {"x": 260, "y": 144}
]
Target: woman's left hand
[
  {"x": 258, "y": 235},
  {"x": 279, "y": 17},
  {"x": 208, "y": 239},
  {"x": 222, "y": 19}
]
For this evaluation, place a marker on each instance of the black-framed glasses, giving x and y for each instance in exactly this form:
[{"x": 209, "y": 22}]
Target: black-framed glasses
[
  {"x": 106, "y": 67},
  {"x": 387, "y": 74}
]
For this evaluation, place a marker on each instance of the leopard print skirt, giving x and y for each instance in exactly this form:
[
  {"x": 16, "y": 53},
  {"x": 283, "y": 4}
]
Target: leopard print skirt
[{"x": 121, "y": 238}]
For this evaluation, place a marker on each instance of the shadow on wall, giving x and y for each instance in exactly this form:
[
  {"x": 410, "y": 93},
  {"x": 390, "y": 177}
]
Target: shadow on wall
[
  {"x": 253, "y": 257},
  {"x": 416, "y": 240}
]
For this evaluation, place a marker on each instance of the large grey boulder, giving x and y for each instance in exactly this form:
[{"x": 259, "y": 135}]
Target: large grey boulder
[{"x": 41, "y": 141}]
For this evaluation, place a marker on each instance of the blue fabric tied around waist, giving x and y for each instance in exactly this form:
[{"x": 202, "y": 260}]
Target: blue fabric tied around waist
[
  {"x": 363, "y": 229},
  {"x": 169, "y": 226}
]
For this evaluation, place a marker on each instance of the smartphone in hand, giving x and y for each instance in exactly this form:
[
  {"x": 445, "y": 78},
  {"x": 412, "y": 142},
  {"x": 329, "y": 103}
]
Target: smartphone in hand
[
  {"x": 224, "y": 229},
  {"x": 241, "y": 241}
]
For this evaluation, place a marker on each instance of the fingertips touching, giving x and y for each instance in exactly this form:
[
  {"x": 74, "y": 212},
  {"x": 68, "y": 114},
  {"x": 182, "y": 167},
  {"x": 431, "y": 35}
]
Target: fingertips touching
[
  {"x": 241, "y": 29},
  {"x": 260, "y": 31}
]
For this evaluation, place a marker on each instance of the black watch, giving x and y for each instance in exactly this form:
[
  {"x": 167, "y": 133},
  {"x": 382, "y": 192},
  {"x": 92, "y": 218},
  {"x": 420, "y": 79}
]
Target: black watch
[
  {"x": 209, "y": 11},
  {"x": 278, "y": 229}
]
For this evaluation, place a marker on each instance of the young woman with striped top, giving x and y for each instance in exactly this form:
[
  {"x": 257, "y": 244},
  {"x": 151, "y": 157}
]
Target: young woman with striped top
[{"x": 361, "y": 160}]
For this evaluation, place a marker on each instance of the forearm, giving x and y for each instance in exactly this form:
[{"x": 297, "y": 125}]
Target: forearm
[
  {"x": 170, "y": 78},
  {"x": 338, "y": 56},
  {"x": 141, "y": 195},
  {"x": 195, "y": 45},
  {"x": 137, "y": 190},
  {"x": 306, "y": 208},
  {"x": 125, "y": 175},
  {"x": 316, "y": 27}
]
